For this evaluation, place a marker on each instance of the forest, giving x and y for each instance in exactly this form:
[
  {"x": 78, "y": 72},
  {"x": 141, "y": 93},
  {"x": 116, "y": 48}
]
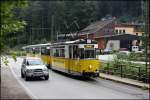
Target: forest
[{"x": 46, "y": 19}]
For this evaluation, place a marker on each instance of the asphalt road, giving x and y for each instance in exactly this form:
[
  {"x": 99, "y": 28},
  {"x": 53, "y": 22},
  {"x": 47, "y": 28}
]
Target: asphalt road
[{"x": 60, "y": 86}]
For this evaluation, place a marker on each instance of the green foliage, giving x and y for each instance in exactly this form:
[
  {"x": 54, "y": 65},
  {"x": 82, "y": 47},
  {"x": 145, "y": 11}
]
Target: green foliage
[
  {"x": 5, "y": 60},
  {"x": 133, "y": 56},
  {"x": 129, "y": 70},
  {"x": 9, "y": 23},
  {"x": 14, "y": 56},
  {"x": 67, "y": 14},
  {"x": 122, "y": 56}
]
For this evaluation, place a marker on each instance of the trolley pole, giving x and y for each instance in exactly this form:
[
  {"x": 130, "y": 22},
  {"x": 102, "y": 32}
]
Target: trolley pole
[{"x": 52, "y": 25}]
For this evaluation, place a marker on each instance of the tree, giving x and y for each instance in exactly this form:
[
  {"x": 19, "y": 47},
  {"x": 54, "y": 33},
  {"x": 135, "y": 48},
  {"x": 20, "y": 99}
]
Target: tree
[
  {"x": 38, "y": 17},
  {"x": 9, "y": 22}
]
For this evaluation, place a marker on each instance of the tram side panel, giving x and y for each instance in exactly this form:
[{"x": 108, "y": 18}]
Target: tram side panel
[
  {"x": 58, "y": 59},
  {"x": 45, "y": 56},
  {"x": 58, "y": 63}
]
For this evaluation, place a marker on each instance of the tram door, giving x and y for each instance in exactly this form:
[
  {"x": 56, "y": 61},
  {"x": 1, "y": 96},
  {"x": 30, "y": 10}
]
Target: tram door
[
  {"x": 73, "y": 58},
  {"x": 70, "y": 58}
]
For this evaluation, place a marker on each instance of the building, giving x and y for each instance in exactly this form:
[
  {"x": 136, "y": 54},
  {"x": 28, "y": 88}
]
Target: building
[
  {"x": 97, "y": 30},
  {"x": 126, "y": 35},
  {"x": 129, "y": 29},
  {"x": 132, "y": 28}
]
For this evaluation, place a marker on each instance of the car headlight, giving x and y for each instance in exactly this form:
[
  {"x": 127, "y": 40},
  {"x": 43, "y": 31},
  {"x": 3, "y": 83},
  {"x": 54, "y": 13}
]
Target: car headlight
[
  {"x": 30, "y": 70},
  {"x": 45, "y": 70}
]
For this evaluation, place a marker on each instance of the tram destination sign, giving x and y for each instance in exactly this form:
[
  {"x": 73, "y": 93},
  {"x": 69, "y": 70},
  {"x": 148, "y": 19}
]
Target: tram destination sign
[{"x": 88, "y": 46}]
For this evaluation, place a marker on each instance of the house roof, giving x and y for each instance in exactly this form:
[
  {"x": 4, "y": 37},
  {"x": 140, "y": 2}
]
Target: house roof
[
  {"x": 122, "y": 37},
  {"x": 96, "y": 26}
]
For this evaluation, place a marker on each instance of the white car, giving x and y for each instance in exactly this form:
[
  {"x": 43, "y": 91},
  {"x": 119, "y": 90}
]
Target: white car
[
  {"x": 34, "y": 67},
  {"x": 135, "y": 48}
]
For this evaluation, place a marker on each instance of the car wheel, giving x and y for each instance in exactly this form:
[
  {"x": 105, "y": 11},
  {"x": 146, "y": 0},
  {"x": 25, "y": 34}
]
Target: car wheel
[
  {"x": 22, "y": 75},
  {"x": 26, "y": 78},
  {"x": 46, "y": 77}
]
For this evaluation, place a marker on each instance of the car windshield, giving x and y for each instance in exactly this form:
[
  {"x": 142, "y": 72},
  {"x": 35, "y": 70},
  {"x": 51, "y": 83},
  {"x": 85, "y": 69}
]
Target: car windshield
[{"x": 34, "y": 62}]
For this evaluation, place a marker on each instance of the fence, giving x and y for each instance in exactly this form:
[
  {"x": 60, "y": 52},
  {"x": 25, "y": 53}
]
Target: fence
[{"x": 127, "y": 70}]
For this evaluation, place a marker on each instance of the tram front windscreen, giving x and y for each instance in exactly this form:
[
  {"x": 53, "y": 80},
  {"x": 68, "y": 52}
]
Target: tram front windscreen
[{"x": 89, "y": 53}]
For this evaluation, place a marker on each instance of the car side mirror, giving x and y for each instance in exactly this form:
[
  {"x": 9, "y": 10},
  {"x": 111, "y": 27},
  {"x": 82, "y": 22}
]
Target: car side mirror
[
  {"x": 27, "y": 63},
  {"x": 23, "y": 65}
]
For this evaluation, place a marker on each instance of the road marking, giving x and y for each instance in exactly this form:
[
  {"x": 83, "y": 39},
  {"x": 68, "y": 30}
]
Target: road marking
[{"x": 26, "y": 89}]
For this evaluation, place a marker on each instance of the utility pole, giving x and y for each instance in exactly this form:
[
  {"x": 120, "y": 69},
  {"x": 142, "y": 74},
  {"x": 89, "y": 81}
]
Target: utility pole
[
  {"x": 145, "y": 14},
  {"x": 77, "y": 28},
  {"x": 147, "y": 36},
  {"x": 52, "y": 25}
]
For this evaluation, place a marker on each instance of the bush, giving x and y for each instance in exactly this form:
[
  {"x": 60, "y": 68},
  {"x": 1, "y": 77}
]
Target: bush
[
  {"x": 130, "y": 70},
  {"x": 18, "y": 53}
]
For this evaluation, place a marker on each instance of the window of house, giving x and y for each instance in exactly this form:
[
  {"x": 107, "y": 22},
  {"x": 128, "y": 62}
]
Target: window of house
[
  {"x": 116, "y": 31},
  {"x": 124, "y": 31},
  {"x": 120, "y": 31},
  {"x": 108, "y": 30}
]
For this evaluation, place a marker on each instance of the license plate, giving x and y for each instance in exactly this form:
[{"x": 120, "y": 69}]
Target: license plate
[{"x": 38, "y": 74}]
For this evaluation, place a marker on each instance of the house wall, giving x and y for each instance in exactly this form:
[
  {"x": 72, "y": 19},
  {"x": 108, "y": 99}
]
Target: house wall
[
  {"x": 90, "y": 36},
  {"x": 139, "y": 33},
  {"x": 101, "y": 43},
  {"x": 129, "y": 30}
]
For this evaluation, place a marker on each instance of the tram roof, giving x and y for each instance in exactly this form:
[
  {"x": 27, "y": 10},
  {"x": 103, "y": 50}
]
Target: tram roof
[
  {"x": 78, "y": 41},
  {"x": 36, "y": 45}
]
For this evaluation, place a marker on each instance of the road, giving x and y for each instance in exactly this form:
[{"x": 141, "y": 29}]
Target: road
[{"x": 61, "y": 86}]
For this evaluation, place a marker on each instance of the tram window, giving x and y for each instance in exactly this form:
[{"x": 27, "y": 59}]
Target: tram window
[
  {"x": 36, "y": 50},
  {"x": 54, "y": 52},
  {"x": 57, "y": 53},
  {"x": 89, "y": 54},
  {"x": 70, "y": 51},
  {"x": 75, "y": 52},
  {"x": 47, "y": 51},
  {"x": 62, "y": 53},
  {"x": 28, "y": 50},
  {"x": 42, "y": 51},
  {"x": 81, "y": 54}
]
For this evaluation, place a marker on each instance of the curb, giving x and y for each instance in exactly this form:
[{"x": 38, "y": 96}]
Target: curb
[{"x": 144, "y": 86}]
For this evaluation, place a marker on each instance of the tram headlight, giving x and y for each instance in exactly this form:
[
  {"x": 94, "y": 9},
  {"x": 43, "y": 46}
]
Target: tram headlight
[{"x": 90, "y": 66}]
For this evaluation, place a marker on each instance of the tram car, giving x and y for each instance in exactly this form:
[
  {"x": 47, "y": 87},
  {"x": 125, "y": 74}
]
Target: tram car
[
  {"x": 76, "y": 57},
  {"x": 41, "y": 50},
  {"x": 73, "y": 57}
]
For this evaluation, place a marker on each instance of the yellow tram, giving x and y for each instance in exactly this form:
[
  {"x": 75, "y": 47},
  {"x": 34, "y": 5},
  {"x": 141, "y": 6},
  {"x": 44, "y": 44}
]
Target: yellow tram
[
  {"x": 41, "y": 50},
  {"x": 73, "y": 57}
]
